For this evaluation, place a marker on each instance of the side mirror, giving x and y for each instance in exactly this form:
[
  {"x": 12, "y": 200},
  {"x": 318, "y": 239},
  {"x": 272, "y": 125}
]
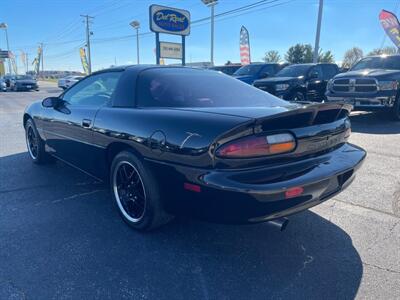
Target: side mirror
[
  {"x": 313, "y": 75},
  {"x": 51, "y": 102},
  {"x": 264, "y": 75}
]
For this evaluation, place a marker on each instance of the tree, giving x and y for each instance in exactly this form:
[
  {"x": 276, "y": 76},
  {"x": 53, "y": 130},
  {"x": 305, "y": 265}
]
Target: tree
[
  {"x": 308, "y": 53},
  {"x": 351, "y": 56},
  {"x": 272, "y": 56},
  {"x": 304, "y": 53},
  {"x": 387, "y": 50},
  {"x": 228, "y": 62},
  {"x": 326, "y": 57},
  {"x": 295, "y": 54}
]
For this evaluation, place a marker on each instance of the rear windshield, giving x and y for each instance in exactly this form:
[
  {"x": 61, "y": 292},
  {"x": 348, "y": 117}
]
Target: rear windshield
[
  {"x": 384, "y": 62},
  {"x": 181, "y": 87}
]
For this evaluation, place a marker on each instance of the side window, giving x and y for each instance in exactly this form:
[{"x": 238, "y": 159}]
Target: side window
[
  {"x": 329, "y": 71},
  {"x": 317, "y": 69},
  {"x": 270, "y": 69},
  {"x": 95, "y": 90}
]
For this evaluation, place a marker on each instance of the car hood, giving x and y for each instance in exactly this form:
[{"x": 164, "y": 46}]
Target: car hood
[
  {"x": 274, "y": 80},
  {"x": 369, "y": 72},
  {"x": 245, "y": 78}
]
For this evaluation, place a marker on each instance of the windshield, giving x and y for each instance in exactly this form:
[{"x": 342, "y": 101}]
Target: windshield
[
  {"x": 197, "y": 88},
  {"x": 382, "y": 62},
  {"x": 22, "y": 77},
  {"x": 294, "y": 71},
  {"x": 249, "y": 70}
]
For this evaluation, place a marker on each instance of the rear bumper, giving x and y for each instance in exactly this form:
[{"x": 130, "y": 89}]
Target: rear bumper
[
  {"x": 258, "y": 194},
  {"x": 27, "y": 88}
]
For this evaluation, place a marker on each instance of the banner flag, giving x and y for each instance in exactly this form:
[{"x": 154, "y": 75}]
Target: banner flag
[
  {"x": 13, "y": 62},
  {"x": 391, "y": 25},
  {"x": 82, "y": 54},
  {"x": 244, "y": 46},
  {"x": 23, "y": 58}
]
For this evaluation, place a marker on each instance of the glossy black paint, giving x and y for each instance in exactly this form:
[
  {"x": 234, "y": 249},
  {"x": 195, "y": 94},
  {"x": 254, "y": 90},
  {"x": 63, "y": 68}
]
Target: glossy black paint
[{"x": 178, "y": 144}]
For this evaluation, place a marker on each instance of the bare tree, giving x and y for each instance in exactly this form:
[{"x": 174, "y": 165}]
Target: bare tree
[
  {"x": 351, "y": 56},
  {"x": 387, "y": 50},
  {"x": 272, "y": 56}
]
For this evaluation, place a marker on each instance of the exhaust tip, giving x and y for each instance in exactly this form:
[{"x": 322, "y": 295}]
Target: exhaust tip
[{"x": 280, "y": 223}]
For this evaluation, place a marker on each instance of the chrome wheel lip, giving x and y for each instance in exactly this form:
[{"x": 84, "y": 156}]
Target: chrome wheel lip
[
  {"x": 28, "y": 142},
  {"x": 116, "y": 194}
]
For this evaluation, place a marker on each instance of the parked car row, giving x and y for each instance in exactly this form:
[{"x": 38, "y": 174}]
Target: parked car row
[
  {"x": 371, "y": 84},
  {"x": 18, "y": 83}
]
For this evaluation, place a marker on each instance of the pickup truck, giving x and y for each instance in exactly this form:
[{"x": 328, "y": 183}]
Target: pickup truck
[
  {"x": 300, "y": 82},
  {"x": 371, "y": 84}
]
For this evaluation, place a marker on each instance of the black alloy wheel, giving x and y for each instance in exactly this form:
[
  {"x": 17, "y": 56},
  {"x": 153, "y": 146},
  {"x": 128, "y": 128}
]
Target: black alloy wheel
[
  {"x": 35, "y": 145},
  {"x": 129, "y": 191},
  {"x": 136, "y": 192}
]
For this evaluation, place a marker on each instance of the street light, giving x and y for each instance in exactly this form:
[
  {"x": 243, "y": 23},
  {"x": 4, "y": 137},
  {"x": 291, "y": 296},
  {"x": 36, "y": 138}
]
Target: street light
[
  {"x": 136, "y": 25},
  {"x": 4, "y": 26},
  {"x": 211, "y": 4}
]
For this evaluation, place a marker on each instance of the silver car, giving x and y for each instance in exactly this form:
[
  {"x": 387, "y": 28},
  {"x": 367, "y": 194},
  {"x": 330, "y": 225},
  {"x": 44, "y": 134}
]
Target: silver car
[{"x": 68, "y": 81}]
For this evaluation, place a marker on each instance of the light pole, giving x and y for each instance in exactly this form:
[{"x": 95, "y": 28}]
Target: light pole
[
  {"x": 211, "y": 4},
  {"x": 316, "y": 47},
  {"x": 136, "y": 25},
  {"x": 4, "y": 26}
]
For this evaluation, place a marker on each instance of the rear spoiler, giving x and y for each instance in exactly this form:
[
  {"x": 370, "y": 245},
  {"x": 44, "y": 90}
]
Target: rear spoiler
[{"x": 305, "y": 114}]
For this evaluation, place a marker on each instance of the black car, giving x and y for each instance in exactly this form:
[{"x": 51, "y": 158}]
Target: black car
[
  {"x": 168, "y": 146},
  {"x": 300, "y": 82},
  {"x": 23, "y": 83},
  {"x": 371, "y": 84},
  {"x": 227, "y": 69},
  {"x": 250, "y": 73}
]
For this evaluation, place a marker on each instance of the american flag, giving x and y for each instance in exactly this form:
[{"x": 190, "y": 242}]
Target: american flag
[{"x": 244, "y": 46}]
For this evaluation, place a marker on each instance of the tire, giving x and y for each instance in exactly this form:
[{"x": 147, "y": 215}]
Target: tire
[
  {"x": 136, "y": 193},
  {"x": 298, "y": 96},
  {"x": 396, "y": 110},
  {"x": 35, "y": 144}
]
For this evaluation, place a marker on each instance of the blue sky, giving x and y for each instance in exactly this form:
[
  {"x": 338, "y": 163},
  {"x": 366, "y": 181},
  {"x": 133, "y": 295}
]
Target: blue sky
[{"x": 57, "y": 23}]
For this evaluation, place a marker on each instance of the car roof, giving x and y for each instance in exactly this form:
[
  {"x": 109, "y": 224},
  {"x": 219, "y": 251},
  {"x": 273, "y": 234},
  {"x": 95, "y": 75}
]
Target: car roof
[{"x": 139, "y": 68}]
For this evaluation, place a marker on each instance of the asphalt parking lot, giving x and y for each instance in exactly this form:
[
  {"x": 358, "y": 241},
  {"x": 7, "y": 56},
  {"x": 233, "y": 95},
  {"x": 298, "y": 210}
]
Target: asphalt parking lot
[{"x": 61, "y": 237}]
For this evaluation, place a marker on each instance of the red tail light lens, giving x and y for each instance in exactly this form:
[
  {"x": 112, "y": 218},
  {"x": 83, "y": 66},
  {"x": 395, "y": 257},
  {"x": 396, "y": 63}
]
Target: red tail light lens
[{"x": 255, "y": 146}]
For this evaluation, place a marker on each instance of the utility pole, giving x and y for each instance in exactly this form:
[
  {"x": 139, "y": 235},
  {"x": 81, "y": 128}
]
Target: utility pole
[
  {"x": 136, "y": 25},
  {"x": 211, "y": 4},
  {"x": 41, "y": 58},
  {"x": 316, "y": 47},
  {"x": 88, "y": 34},
  {"x": 26, "y": 62}
]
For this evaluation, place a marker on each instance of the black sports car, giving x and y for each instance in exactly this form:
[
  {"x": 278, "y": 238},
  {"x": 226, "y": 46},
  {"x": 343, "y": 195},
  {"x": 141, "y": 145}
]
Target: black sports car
[{"x": 174, "y": 140}]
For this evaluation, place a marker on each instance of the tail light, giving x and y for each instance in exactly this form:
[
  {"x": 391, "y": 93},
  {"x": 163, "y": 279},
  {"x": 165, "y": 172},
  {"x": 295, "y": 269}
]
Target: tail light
[{"x": 255, "y": 146}]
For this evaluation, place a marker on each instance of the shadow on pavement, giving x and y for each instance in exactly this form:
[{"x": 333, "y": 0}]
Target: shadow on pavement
[
  {"x": 61, "y": 237},
  {"x": 374, "y": 123}
]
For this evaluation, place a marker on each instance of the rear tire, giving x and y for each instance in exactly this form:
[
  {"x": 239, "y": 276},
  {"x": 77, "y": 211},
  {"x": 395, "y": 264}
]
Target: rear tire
[
  {"x": 136, "y": 193},
  {"x": 35, "y": 145}
]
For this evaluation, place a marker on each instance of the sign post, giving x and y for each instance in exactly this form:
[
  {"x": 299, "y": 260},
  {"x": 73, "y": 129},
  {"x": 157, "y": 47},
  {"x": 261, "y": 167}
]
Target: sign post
[{"x": 169, "y": 20}]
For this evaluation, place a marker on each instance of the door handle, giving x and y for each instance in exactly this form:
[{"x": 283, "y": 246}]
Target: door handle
[{"x": 86, "y": 122}]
